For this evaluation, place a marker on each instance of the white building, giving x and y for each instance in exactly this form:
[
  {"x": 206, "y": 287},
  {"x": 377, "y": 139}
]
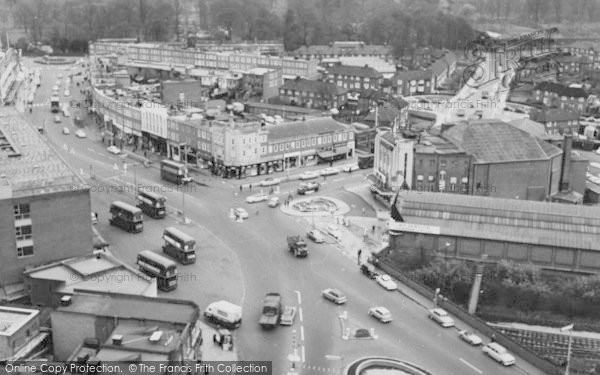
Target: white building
[{"x": 394, "y": 160}]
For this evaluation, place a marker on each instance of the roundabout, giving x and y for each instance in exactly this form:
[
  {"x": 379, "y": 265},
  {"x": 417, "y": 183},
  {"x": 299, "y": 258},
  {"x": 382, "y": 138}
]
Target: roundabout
[
  {"x": 384, "y": 366},
  {"x": 315, "y": 206}
]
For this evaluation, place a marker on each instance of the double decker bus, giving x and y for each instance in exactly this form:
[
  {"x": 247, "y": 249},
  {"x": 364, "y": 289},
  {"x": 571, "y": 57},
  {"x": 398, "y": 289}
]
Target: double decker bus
[
  {"x": 54, "y": 104},
  {"x": 179, "y": 245},
  {"x": 152, "y": 204},
  {"x": 126, "y": 217},
  {"x": 156, "y": 265},
  {"x": 174, "y": 172}
]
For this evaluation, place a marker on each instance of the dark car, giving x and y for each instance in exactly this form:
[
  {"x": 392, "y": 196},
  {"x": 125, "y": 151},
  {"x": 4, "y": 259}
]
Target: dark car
[
  {"x": 368, "y": 270},
  {"x": 308, "y": 187}
]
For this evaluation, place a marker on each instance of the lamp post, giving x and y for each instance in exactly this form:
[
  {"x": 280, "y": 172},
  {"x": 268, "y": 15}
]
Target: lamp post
[
  {"x": 293, "y": 357},
  {"x": 340, "y": 358},
  {"x": 570, "y": 329}
]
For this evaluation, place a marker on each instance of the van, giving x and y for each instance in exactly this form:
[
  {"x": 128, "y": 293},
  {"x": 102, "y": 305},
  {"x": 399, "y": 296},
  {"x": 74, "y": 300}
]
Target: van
[{"x": 224, "y": 313}]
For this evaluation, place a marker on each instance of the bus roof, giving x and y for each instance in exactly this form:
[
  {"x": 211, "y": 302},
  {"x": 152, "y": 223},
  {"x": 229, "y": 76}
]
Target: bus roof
[
  {"x": 151, "y": 194},
  {"x": 149, "y": 254},
  {"x": 126, "y": 206},
  {"x": 179, "y": 234},
  {"x": 171, "y": 162}
]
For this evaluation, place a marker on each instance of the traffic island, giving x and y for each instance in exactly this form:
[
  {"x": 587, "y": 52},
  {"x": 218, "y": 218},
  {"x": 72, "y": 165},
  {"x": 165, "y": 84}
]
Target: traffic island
[
  {"x": 376, "y": 364},
  {"x": 352, "y": 331}
]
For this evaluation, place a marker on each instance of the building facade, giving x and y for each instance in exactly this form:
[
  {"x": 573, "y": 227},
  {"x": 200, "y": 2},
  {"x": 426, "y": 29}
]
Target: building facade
[
  {"x": 354, "y": 78},
  {"x": 557, "y": 120},
  {"x": 19, "y": 327},
  {"x": 564, "y": 97},
  {"x": 338, "y": 49},
  {"x": 394, "y": 158},
  {"x": 262, "y": 82},
  {"x": 312, "y": 94}
]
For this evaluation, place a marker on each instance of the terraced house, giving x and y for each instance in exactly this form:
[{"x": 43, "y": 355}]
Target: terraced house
[
  {"x": 312, "y": 94},
  {"x": 556, "y": 95},
  {"x": 354, "y": 78}
]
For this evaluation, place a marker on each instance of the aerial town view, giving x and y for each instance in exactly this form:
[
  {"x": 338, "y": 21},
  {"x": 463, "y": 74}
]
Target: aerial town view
[{"x": 300, "y": 187}]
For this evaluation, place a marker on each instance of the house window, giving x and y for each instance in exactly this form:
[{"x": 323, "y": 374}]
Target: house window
[
  {"x": 314, "y": 141},
  {"x": 303, "y": 143},
  {"x": 23, "y": 251},
  {"x": 442, "y": 163},
  {"x": 21, "y": 211},
  {"x": 432, "y": 162},
  {"x": 297, "y": 144}
]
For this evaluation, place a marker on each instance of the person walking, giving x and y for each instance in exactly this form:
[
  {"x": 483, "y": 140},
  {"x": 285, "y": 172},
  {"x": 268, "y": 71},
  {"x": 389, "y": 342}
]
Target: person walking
[
  {"x": 373, "y": 229},
  {"x": 358, "y": 257},
  {"x": 241, "y": 188}
]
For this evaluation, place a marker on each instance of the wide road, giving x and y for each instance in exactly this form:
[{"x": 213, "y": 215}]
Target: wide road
[{"x": 243, "y": 261}]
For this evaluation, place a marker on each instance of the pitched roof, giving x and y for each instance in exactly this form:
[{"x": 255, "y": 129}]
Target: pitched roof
[
  {"x": 534, "y": 128},
  {"x": 318, "y": 87},
  {"x": 553, "y": 114},
  {"x": 298, "y": 129},
  {"x": 408, "y": 75},
  {"x": 493, "y": 141},
  {"x": 355, "y": 71},
  {"x": 385, "y": 114},
  {"x": 562, "y": 90}
]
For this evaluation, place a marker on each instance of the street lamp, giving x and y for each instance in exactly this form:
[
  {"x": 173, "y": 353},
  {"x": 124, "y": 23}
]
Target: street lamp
[
  {"x": 570, "y": 329},
  {"x": 340, "y": 358}
]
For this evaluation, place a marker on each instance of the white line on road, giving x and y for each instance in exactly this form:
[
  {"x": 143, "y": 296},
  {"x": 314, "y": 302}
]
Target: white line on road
[
  {"x": 300, "y": 314},
  {"x": 303, "y": 356},
  {"x": 299, "y": 297},
  {"x": 471, "y": 366},
  {"x": 302, "y": 333}
]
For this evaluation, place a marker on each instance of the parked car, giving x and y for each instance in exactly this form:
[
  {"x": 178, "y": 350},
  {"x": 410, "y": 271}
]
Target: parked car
[
  {"x": 335, "y": 295},
  {"x": 80, "y": 133},
  {"x": 368, "y": 270},
  {"x": 66, "y": 131},
  {"x": 470, "y": 337},
  {"x": 499, "y": 353},
  {"x": 67, "y": 93},
  {"x": 308, "y": 187},
  {"x": 334, "y": 231},
  {"x": 288, "y": 316},
  {"x": 241, "y": 213},
  {"x": 350, "y": 168},
  {"x": 273, "y": 202},
  {"x": 386, "y": 282},
  {"x": 329, "y": 171},
  {"x": 257, "y": 198},
  {"x": 57, "y": 119},
  {"x": 308, "y": 175},
  {"x": 114, "y": 150},
  {"x": 441, "y": 317},
  {"x": 381, "y": 313},
  {"x": 315, "y": 235},
  {"x": 270, "y": 181}
]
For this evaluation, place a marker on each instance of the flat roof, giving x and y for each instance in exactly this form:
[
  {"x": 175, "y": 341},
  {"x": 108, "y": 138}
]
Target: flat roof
[
  {"x": 13, "y": 318},
  {"x": 29, "y": 164},
  {"x": 136, "y": 336},
  {"x": 313, "y": 126},
  {"x": 284, "y": 108}
]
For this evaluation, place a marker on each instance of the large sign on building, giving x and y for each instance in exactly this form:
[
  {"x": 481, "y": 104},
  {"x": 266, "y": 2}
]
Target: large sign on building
[{"x": 411, "y": 227}]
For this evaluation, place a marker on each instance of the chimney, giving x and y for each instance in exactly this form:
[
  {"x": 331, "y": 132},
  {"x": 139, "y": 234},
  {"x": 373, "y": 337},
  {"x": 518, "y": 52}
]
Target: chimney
[
  {"x": 65, "y": 301},
  {"x": 117, "y": 340},
  {"x": 565, "y": 167}
]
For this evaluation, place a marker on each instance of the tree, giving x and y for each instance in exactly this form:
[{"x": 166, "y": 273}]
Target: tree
[
  {"x": 291, "y": 32},
  {"x": 177, "y": 9},
  {"x": 226, "y": 14}
]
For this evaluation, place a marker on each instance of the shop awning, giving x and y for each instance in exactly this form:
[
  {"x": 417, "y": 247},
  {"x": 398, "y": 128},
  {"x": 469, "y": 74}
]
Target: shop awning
[{"x": 331, "y": 153}]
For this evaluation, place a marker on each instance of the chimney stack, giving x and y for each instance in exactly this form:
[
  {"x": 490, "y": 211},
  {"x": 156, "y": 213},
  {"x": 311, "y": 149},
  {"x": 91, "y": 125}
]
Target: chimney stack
[{"x": 566, "y": 162}]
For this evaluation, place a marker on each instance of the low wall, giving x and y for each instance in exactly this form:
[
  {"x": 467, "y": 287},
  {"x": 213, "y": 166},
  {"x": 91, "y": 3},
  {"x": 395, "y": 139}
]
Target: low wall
[{"x": 469, "y": 319}]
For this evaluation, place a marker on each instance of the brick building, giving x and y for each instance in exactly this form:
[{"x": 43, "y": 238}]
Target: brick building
[
  {"x": 556, "y": 95},
  {"x": 338, "y": 49},
  {"x": 312, "y": 94},
  {"x": 556, "y": 120},
  {"x": 20, "y": 332},
  {"x": 354, "y": 78},
  {"x": 188, "y": 93},
  {"x": 262, "y": 82}
]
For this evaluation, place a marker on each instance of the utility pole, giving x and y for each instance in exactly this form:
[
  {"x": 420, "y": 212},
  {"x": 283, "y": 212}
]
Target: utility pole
[{"x": 570, "y": 329}]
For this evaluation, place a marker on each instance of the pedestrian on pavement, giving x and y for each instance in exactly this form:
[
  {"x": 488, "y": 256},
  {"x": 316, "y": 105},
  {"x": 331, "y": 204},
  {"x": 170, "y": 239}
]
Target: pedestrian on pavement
[
  {"x": 250, "y": 186},
  {"x": 493, "y": 338},
  {"x": 373, "y": 229},
  {"x": 358, "y": 257},
  {"x": 241, "y": 188},
  {"x": 363, "y": 211},
  {"x": 145, "y": 153}
]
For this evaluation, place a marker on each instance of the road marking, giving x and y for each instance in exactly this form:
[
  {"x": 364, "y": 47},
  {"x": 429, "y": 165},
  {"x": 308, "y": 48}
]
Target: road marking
[
  {"x": 471, "y": 366},
  {"x": 303, "y": 354},
  {"x": 302, "y": 333},
  {"x": 299, "y": 297},
  {"x": 300, "y": 314}
]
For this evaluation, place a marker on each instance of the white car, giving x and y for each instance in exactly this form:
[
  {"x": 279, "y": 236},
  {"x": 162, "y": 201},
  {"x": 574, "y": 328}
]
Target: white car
[
  {"x": 499, "y": 353},
  {"x": 441, "y": 317},
  {"x": 329, "y": 171},
  {"x": 334, "y": 231},
  {"x": 80, "y": 133},
  {"x": 308, "y": 175},
  {"x": 350, "y": 168},
  {"x": 381, "y": 313},
  {"x": 470, "y": 337},
  {"x": 241, "y": 213},
  {"x": 66, "y": 113},
  {"x": 114, "y": 150},
  {"x": 270, "y": 181},
  {"x": 598, "y": 151},
  {"x": 315, "y": 235},
  {"x": 57, "y": 119},
  {"x": 335, "y": 295},
  {"x": 257, "y": 198},
  {"x": 288, "y": 316},
  {"x": 67, "y": 92},
  {"x": 386, "y": 282},
  {"x": 66, "y": 131}
]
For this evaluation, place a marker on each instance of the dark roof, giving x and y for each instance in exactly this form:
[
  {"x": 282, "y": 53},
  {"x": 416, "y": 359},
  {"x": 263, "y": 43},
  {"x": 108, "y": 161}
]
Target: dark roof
[
  {"x": 534, "y": 128},
  {"x": 408, "y": 75},
  {"x": 385, "y": 114},
  {"x": 562, "y": 90},
  {"x": 553, "y": 114},
  {"x": 318, "y": 87},
  {"x": 492, "y": 141},
  {"x": 298, "y": 129},
  {"x": 354, "y": 71}
]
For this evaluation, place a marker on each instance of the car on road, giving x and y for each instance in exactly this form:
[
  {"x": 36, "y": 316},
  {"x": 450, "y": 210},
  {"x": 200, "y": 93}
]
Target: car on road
[
  {"x": 441, "y": 317},
  {"x": 329, "y": 171},
  {"x": 598, "y": 151},
  {"x": 270, "y": 181},
  {"x": 257, "y": 198},
  {"x": 308, "y": 175},
  {"x": 288, "y": 316},
  {"x": 80, "y": 133},
  {"x": 386, "y": 282},
  {"x": 315, "y": 235},
  {"x": 335, "y": 295},
  {"x": 368, "y": 270},
  {"x": 57, "y": 119},
  {"x": 334, "y": 231},
  {"x": 499, "y": 353},
  {"x": 66, "y": 113},
  {"x": 273, "y": 202},
  {"x": 241, "y": 213},
  {"x": 67, "y": 93},
  {"x": 114, "y": 150},
  {"x": 470, "y": 337},
  {"x": 66, "y": 131},
  {"x": 381, "y": 313},
  {"x": 308, "y": 187},
  {"x": 349, "y": 168}
]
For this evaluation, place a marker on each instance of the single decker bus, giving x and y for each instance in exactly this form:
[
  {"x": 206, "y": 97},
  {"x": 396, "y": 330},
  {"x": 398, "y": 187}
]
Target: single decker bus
[
  {"x": 126, "y": 216},
  {"x": 156, "y": 265},
  {"x": 174, "y": 172},
  {"x": 152, "y": 204},
  {"x": 179, "y": 245}
]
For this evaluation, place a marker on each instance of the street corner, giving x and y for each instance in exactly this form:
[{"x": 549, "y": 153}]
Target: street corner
[
  {"x": 352, "y": 330},
  {"x": 314, "y": 206}
]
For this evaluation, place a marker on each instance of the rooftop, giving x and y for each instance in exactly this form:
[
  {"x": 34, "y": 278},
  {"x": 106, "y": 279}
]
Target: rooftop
[
  {"x": 377, "y": 63},
  {"x": 494, "y": 141},
  {"x": 343, "y": 48},
  {"x": 553, "y": 114},
  {"x": 355, "y": 71},
  {"x": 562, "y": 90},
  {"x": 534, "y": 128},
  {"x": 319, "y": 87},
  {"x": 298, "y": 129},
  {"x": 83, "y": 273},
  {"x": 28, "y": 162},
  {"x": 13, "y": 318}
]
